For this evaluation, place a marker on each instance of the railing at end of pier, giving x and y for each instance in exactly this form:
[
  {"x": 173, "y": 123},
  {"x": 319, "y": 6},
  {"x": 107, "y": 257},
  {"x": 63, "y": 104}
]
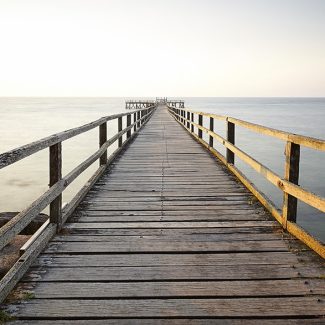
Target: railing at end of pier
[
  {"x": 139, "y": 104},
  {"x": 193, "y": 122},
  {"x": 53, "y": 196}
]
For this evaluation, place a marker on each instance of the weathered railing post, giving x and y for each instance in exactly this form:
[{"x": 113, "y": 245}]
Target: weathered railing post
[
  {"x": 291, "y": 174},
  {"x": 211, "y": 129},
  {"x": 231, "y": 139},
  {"x": 200, "y": 122},
  {"x": 188, "y": 119},
  {"x": 141, "y": 117},
  {"x": 192, "y": 120},
  {"x": 128, "y": 123},
  {"x": 102, "y": 140},
  {"x": 119, "y": 128},
  {"x": 138, "y": 119},
  {"x": 147, "y": 115},
  {"x": 134, "y": 121},
  {"x": 55, "y": 176}
]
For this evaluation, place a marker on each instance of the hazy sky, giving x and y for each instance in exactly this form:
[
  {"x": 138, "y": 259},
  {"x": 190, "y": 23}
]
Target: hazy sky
[{"x": 162, "y": 48}]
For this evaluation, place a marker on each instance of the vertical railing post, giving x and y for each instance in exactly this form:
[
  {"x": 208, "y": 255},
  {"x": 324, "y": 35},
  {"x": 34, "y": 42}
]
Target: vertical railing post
[
  {"x": 177, "y": 110},
  {"x": 102, "y": 140},
  {"x": 55, "y": 176},
  {"x": 184, "y": 117},
  {"x": 119, "y": 128},
  {"x": 211, "y": 129},
  {"x": 134, "y": 122},
  {"x": 188, "y": 119},
  {"x": 138, "y": 118},
  {"x": 291, "y": 174},
  {"x": 200, "y": 122},
  {"x": 141, "y": 117},
  {"x": 192, "y": 120},
  {"x": 128, "y": 123},
  {"x": 231, "y": 138}
]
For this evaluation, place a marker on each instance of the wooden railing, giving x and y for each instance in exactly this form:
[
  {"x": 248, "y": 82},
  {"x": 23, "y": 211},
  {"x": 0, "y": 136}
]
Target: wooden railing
[
  {"x": 288, "y": 184},
  {"x": 53, "y": 196}
]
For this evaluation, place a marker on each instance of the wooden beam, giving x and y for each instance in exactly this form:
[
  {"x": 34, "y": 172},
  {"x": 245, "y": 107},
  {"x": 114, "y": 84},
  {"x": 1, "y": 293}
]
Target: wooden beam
[
  {"x": 102, "y": 140},
  {"x": 56, "y": 176},
  {"x": 119, "y": 128},
  {"x": 128, "y": 123},
  {"x": 200, "y": 122},
  {"x": 138, "y": 118},
  {"x": 291, "y": 174},
  {"x": 231, "y": 138},
  {"x": 212, "y": 130}
]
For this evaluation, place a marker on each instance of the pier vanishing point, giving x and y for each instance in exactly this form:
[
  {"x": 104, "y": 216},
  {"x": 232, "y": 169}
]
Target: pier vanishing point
[{"x": 167, "y": 231}]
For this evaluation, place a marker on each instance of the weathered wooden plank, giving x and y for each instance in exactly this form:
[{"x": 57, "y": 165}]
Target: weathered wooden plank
[
  {"x": 157, "y": 197},
  {"x": 241, "y": 307},
  {"x": 203, "y": 237},
  {"x": 79, "y": 260},
  {"x": 175, "y": 225},
  {"x": 143, "y": 245},
  {"x": 178, "y": 321},
  {"x": 231, "y": 199},
  {"x": 222, "y": 210},
  {"x": 232, "y": 289},
  {"x": 167, "y": 208},
  {"x": 172, "y": 273},
  {"x": 144, "y": 218},
  {"x": 167, "y": 231}
]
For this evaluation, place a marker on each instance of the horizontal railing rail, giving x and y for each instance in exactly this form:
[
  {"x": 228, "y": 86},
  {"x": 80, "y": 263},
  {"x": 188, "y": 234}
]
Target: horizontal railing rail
[
  {"x": 53, "y": 196},
  {"x": 287, "y": 184}
]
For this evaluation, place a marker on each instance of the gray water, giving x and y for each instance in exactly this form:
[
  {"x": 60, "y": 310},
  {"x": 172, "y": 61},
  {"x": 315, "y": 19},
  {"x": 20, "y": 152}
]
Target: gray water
[{"x": 27, "y": 119}]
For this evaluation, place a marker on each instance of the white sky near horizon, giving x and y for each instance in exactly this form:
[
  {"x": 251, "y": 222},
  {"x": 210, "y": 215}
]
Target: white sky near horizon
[{"x": 162, "y": 48}]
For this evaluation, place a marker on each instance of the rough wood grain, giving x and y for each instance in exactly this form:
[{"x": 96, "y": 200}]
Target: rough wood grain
[{"x": 171, "y": 308}]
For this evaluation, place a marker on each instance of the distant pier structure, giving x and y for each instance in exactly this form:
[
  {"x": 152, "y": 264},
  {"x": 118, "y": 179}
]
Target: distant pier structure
[{"x": 140, "y": 104}]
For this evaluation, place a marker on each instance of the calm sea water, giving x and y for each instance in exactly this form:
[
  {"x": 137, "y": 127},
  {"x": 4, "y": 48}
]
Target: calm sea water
[{"x": 27, "y": 119}]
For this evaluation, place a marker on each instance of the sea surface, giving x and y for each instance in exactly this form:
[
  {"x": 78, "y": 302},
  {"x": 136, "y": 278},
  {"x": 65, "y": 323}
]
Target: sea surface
[{"x": 24, "y": 120}]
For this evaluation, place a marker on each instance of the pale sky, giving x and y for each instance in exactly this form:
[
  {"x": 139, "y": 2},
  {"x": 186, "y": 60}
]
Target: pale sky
[{"x": 162, "y": 48}]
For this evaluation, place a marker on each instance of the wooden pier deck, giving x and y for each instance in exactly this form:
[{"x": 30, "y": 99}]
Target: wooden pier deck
[{"x": 168, "y": 235}]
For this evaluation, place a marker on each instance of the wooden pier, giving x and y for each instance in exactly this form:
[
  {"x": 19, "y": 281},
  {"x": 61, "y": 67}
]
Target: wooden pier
[{"x": 164, "y": 233}]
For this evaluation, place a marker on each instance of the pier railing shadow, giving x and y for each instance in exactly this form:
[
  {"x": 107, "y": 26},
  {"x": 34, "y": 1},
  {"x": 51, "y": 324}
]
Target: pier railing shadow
[
  {"x": 288, "y": 184},
  {"x": 53, "y": 196}
]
